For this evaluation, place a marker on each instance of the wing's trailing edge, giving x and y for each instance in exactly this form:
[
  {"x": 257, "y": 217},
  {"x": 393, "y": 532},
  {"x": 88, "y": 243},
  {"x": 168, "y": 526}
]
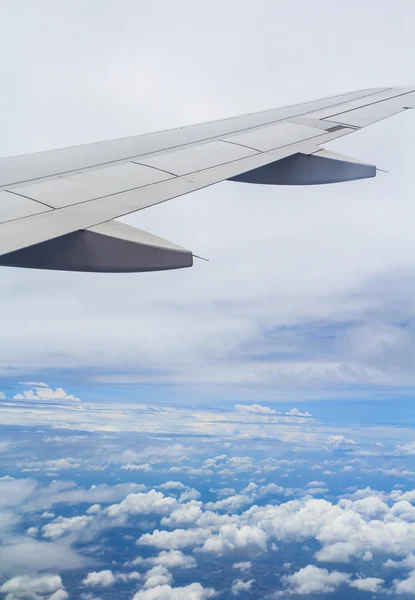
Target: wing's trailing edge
[
  {"x": 112, "y": 247},
  {"x": 57, "y": 208}
]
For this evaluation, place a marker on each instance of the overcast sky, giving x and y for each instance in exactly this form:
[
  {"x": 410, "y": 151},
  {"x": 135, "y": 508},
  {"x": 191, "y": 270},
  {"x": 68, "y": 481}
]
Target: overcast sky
[{"x": 308, "y": 291}]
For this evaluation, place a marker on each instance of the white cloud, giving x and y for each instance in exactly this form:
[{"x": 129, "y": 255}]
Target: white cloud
[
  {"x": 185, "y": 514},
  {"x": 238, "y": 586},
  {"x": 63, "y": 525},
  {"x": 189, "y": 494},
  {"x": 28, "y": 586},
  {"x": 256, "y": 409},
  {"x": 294, "y": 412},
  {"x": 243, "y": 565},
  {"x": 405, "y": 586},
  {"x": 171, "y": 540},
  {"x": 406, "y": 449},
  {"x": 231, "y": 537},
  {"x": 142, "y": 503},
  {"x": 247, "y": 496},
  {"x": 59, "y": 595},
  {"x": 345, "y": 530},
  {"x": 194, "y": 591},
  {"x": 407, "y": 563},
  {"x": 157, "y": 576},
  {"x": 313, "y": 580},
  {"x": 131, "y": 576},
  {"x": 132, "y": 467},
  {"x": 172, "y": 485},
  {"x": 99, "y": 579},
  {"x": 172, "y": 559},
  {"x": 368, "y": 584},
  {"x": 338, "y": 440},
  {"x": 94, "y": 509},
  {"x": 45, "y": 393}
]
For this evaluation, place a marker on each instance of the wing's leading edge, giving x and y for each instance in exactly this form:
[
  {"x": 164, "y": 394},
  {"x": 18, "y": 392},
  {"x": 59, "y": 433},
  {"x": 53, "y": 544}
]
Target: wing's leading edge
[{"x": 57, "y": 208}]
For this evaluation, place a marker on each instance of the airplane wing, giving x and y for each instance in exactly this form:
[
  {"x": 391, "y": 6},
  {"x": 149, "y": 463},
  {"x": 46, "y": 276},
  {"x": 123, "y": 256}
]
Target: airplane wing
[{"x": 57, "y": 208}]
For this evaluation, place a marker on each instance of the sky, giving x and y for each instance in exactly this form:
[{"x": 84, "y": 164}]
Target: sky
[{"x": 128, "y": 382}]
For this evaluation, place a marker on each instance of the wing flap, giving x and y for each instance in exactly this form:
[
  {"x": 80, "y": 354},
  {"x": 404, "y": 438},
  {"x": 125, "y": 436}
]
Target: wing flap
[
  {"x": 108, "y": 248},
  {"x": 308, "y": 169}
]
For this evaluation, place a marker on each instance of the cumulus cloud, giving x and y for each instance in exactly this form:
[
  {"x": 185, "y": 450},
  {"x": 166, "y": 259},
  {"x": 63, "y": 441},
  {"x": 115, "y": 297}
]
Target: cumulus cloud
[
  {"x": 142, "y": 503},
  {"x": 157, "y": 576},
  {"x": 345, "y": 530},
  {"x": 313, "y": 580},
  {"x": 367, "y": 584},
  {"x": 172, "y": 485},
  {"x": 194, "y": 591},
  {"x": 189, "y": 494},
  {"x": 31, "y": 586},
  {"x": 172, "y": 559},
  {"x": 185, "y": 514},
  {"x": 63, "y": 525},
  {"x": 171, "y": 540},
  {"x": 231, "y": 537},
  {"x": 247, "y": 496},
  {"x": 45, "y": 393},
  {"x": 238, "y": 586},
  {"x": 99, "y": 579},
  {"x": 405, "y": 586},
  {"x": 59, "y": 595}
]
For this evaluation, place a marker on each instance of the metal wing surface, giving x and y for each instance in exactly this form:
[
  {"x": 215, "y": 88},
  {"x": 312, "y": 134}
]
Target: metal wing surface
[{"x": 57, "y": 208}]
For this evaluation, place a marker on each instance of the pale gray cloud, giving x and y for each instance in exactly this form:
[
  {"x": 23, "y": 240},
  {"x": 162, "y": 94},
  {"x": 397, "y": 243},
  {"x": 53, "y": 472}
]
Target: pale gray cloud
[{"x": 287, "y": 267}]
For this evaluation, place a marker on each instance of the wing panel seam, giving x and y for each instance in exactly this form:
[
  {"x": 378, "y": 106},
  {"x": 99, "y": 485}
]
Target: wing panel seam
[
  {"x": 366, "y": 105},
  {"x": 176, "y": 177},
  {"x": 29, "y": 198}
]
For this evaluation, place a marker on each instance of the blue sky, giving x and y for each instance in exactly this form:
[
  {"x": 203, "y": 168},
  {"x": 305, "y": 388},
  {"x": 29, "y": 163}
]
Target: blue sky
[{"x": 244, "y": 428}]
